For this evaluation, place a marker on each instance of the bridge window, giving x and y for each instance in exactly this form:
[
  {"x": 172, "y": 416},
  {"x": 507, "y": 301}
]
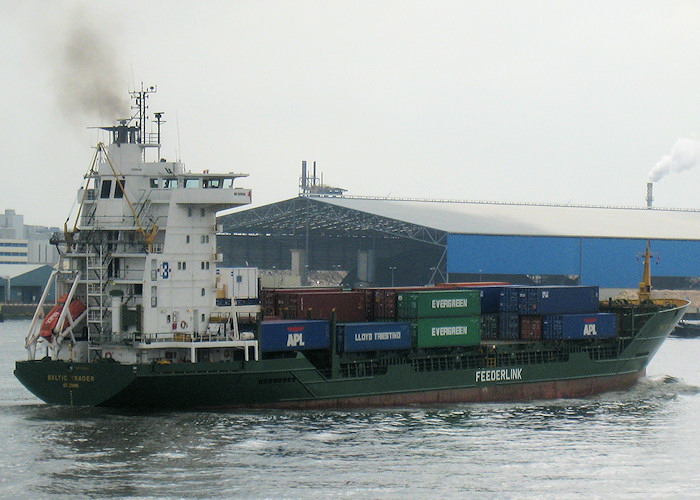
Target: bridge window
[
  {"x": 154, "y": 183},
  {"x": 118, "y": 193},
  {"x": 170, "y": 183},
  {"x": 106, "y": 188},
  {"x": 191, "y": 183}
]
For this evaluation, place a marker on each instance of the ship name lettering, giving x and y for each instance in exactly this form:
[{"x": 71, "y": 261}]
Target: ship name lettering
[
  {"x": 444, "y": 331},
  {"x": 57, "y": 378},
  {"x": 497, "y": 375},
  {"x": 443, "y": 303},
  {"x": 83, "y": 378}
]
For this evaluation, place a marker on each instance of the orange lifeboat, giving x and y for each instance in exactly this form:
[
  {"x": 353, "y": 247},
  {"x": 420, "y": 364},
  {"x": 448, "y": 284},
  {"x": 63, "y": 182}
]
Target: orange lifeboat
[{"x": 75, "y": 309}]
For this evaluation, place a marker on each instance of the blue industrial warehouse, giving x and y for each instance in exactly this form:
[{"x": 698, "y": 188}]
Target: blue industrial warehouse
[
  {"x": 24, "y": 283},
  {"x": 412, "y": 242}
]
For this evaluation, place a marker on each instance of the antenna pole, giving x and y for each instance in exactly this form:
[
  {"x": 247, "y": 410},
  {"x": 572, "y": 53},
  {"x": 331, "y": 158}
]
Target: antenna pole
[{"x": 158, "y": 116}]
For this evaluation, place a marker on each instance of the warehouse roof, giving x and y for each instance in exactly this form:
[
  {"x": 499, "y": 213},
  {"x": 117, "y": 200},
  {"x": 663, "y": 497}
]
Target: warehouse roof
[
  {"x": 465, "y": 217},
  {"x": 14, "y": 270},
  {"x": 531, "y": 219}
]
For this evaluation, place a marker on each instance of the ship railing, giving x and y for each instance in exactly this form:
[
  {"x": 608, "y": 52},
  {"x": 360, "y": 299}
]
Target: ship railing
[
  {"x": 200, "y": 341},
  {"x": 108, "y": 222},
  {"x": 151, "y": 138},
  {"x": 188, "y": 337}
]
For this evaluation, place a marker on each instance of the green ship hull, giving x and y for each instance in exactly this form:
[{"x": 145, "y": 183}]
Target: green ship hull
[{"x": 494, "y": 371}]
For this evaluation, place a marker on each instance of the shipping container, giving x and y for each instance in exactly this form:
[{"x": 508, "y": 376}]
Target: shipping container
[
  {"x": 508, "y": 325},
  {"x": 437, "y": 304},
  {"x": 237, "y": 282},
  {"x": 381, "y": 302},
  {"x": 297, "y": 335},
  {"x": 267, "y": 301},
  {"x": 531, "y": 327},
  {"x": 274, "y": 298},
  {"x": 349, "y": 306},
  {"x": 384, "y": 304},
  {"x": 508, "y": 299},
  {"x": 382, "y": 336},
  {"x": 490, "y": 297},
  {"x": 537, "y": 300},
  {"x": 579, "y": 326},
  {"x": 489, "y": 326},
  {"x": 447, "y": 332},
  {"x": 528, "y": 300},
  {"x": 565, "y": 300}
]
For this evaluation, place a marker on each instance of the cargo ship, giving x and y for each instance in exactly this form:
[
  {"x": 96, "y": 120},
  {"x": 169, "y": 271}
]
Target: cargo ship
[{"x": 145, "y": 316}]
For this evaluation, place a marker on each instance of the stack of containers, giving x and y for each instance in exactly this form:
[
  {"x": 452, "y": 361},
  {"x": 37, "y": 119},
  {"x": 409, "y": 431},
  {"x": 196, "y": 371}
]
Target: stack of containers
[
  {"x": 565, "y": 310},
  {"x": 489, "y": 296},
  {"x": 442, "y": 318},
  {"x": 533, "y": 313},
  {"x": 381, "y": 301}
]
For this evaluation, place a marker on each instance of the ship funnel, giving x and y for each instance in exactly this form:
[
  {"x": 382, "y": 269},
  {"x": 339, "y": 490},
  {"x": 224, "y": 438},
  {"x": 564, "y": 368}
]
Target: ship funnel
[{"x": 650, "y": 198}]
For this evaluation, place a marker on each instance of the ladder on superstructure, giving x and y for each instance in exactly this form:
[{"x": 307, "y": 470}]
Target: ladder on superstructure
[{"x": 97, "y": 280}]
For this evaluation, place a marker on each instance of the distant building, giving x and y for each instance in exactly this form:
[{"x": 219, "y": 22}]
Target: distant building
[
  {"x": 24, "y": 283},
  {"x": 20, "y": 244},
  {"x": 385, "y": 242}
]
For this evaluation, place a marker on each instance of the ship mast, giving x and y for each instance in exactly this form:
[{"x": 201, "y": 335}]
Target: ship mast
[
  {"x": 140, "y": 97},
  {"x": 645, "y": 284}
]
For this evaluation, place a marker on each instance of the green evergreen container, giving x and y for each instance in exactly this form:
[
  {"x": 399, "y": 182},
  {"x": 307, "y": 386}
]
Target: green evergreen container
[
  {"x": 438, "y": 304},
  {"x": 447, "y": 332}
]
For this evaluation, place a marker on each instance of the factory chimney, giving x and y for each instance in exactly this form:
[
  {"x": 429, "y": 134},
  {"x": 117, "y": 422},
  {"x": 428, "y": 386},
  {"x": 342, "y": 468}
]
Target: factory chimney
[{"x": 650, "y": 198}]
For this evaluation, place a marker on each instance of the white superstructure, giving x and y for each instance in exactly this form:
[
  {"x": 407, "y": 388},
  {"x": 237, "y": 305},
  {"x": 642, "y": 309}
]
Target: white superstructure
[{"x": 142, "y": 257}]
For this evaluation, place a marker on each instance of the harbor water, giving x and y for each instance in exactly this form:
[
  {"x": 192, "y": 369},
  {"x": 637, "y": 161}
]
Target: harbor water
[{"x": 642, "y": 443}]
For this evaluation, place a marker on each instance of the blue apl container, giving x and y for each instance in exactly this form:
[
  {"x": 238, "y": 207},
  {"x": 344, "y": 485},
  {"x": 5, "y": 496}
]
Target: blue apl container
[
  {"x": 380, "y": 336},
  {"x": 294, "y": 335},
  {"x": 579, "y": 326}
]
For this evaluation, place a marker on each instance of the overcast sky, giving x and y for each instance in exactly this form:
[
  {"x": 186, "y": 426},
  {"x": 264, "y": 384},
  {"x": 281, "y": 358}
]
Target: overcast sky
[{"x": 526, "y": 101}]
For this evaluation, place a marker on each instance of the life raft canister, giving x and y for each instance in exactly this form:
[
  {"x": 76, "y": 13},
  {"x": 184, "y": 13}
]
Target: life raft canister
[{"x": 48, "y": 326}]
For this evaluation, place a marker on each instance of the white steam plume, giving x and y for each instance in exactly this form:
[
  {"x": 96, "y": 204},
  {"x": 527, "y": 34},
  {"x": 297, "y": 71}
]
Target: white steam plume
[
  {"x": 89, "y": 81},
  {"x": 685, "y": 154}
]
